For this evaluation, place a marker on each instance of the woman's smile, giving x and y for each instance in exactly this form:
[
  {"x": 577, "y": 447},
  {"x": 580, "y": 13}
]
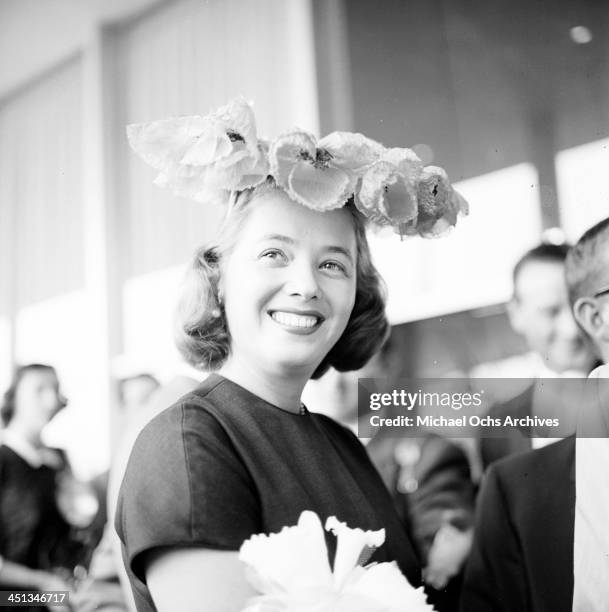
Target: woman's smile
[{"x": 297, "y": 322}]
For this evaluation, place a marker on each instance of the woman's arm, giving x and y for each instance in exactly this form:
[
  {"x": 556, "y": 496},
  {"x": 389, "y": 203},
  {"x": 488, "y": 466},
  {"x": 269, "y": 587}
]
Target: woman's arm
[{"x": 192, "y": 579}]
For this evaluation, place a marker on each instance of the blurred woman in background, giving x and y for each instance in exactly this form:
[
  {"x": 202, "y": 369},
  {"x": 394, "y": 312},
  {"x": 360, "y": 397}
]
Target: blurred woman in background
[{"x": 37, "y": 546}]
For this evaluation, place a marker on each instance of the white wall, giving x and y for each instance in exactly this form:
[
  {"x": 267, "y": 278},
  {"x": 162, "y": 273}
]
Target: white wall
[
  {"x": 37, "y": 34},
  {"x": 583, "y": 189}
]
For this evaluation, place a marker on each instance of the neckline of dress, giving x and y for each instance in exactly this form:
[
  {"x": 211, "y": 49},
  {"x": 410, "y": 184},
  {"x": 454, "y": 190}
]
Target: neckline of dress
[{"x": 303, "y": 410}]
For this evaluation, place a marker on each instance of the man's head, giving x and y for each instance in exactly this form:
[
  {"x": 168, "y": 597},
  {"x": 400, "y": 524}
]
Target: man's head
[
  {"x": 541, "y": 313},
  {"x": 587, "y": 274}
]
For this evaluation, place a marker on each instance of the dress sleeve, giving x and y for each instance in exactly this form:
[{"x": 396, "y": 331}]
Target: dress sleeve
[{"x": 184, "y": 486}]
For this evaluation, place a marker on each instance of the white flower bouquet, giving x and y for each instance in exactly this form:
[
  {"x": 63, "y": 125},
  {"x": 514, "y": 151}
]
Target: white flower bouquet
[{"x": 291, "y": 572}]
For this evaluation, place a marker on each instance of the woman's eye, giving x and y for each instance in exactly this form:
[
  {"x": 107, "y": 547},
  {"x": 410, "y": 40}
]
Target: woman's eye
[
  {"x": 334, "y": 266},
  {"x": 273, "y": 255}
]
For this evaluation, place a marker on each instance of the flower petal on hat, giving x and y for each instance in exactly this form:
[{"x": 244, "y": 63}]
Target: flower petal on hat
[
  {"x": 406, "y": 160},
  {"x": 257, "y": 173},
  {"x": 211, "y": 145},
  {"x": 241, "y": 171},
  {"x": 162, "y": 144},
  {"x": 400, "y": 201},
  {"x": 455, "y": 207},
  {"x": 237, "y": 118},
  {"x": 319, "y": 188},
  {"x": 433, "y": 191},
  {"x": 351, "y": 151},
  {"x": 439, "y": 204},
  {"x": 220, "y": 149},
  {"x": 407, "y": 229},
  {"x": 229, "y": 135},
  {"x": 459, "y": 203},
  {"x": 385, "y": 197},
  {"x": 287, "y": 151}
]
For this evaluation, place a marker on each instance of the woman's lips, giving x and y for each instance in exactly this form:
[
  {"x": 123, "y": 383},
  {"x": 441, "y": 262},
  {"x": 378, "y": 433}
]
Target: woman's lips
[{"x": 300, "y": 322}]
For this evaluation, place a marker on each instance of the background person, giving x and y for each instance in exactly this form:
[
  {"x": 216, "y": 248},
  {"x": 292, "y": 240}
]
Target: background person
[
  {"x": 36, "y": 542},
  {"x": 143, "y": 397},
  {"x": 541, "y": 539},
  {"x": 133, "y": 393},
  {"x": 540, "y": 312}
]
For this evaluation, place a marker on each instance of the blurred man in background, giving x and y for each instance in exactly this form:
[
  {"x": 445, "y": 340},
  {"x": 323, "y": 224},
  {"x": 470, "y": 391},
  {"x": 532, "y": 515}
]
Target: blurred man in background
[{"x": 540, "y": 312}]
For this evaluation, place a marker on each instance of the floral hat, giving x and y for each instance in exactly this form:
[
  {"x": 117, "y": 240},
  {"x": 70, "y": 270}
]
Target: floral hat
[{"x": 208, "y": 159}]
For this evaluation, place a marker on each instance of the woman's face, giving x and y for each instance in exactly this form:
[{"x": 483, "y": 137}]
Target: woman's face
[
  {"x": 37, "y": 398},
  {"x": 288, "y": 285}
]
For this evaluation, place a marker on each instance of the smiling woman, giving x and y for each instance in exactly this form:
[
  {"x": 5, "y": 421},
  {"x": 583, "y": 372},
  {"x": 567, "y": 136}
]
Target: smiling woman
[{"x": 287, "y": 291}]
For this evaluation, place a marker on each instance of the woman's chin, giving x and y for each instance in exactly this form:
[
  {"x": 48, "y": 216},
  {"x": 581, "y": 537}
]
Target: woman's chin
[{"x": 295, "y": 363}]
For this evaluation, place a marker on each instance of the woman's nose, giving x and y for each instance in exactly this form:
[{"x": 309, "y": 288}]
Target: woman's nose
[{"x": 303, "y": 281}]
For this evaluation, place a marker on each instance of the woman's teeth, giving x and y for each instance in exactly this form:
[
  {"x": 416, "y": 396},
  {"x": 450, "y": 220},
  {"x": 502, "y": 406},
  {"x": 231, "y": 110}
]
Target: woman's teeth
[{"x": 294, "y": 320}]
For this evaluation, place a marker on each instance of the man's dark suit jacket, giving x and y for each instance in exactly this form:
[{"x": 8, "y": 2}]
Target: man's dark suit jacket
[
  {"x": 522, "y": 556},
  {"x": 518, "y": 440}
]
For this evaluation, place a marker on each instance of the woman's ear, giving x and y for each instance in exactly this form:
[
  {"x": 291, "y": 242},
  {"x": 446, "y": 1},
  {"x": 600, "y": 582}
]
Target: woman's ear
[{"x": 590, "y": 318}]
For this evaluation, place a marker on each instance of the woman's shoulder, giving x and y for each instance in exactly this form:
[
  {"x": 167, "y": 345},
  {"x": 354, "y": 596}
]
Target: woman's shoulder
[
  {"x": 194, "y": 413},
  {"x": 185, "y": 466}
]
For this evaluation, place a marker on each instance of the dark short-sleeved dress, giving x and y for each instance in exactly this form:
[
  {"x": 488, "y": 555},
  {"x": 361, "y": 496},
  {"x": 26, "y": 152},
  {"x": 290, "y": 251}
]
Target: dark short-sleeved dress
[{"x": 222, "y": 464}]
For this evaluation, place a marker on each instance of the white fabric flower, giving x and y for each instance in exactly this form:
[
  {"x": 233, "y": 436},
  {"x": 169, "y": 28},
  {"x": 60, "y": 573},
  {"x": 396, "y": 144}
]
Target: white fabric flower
[
  {"x": 406, "y": 161},
  {"x": 202, "y": 157},
  {"x": 352, "y": 151},
  {"x": 439, "y": 205},
  {"x": 293, "y": 559},
  {"x": 290, "y": 570},
  {"x": 308, "y": 173},
  {"x": 433, "y": 191},
  {"x": 385, "y": 197},
  {"x": 207, "y": 159},
  {"x": 388, "y": 190},
  {"x": 351, "y": 543}
]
